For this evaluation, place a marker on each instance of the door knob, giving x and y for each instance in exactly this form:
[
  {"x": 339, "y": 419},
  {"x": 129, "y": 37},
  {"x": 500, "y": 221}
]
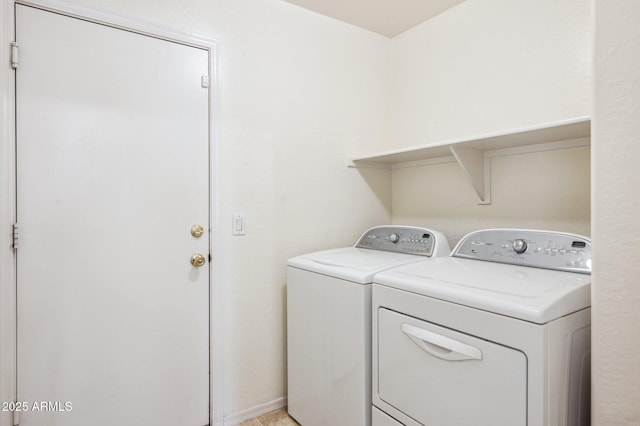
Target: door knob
[
  {"x": 198, "y": 260},
  {"x": 197, "y": 231}
]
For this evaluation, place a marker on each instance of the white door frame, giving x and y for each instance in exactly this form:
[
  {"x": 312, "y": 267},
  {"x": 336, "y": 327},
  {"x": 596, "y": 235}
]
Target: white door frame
[{"x": 8, "y": 281}]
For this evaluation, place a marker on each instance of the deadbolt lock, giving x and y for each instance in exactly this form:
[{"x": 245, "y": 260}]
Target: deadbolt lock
[
  {"x": 197, "y": 231},
  {"x": 198, "y": 260}
]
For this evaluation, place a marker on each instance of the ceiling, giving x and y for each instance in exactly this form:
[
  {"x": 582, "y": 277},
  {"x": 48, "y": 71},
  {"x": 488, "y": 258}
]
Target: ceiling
[{"x": 386, "y": 17}]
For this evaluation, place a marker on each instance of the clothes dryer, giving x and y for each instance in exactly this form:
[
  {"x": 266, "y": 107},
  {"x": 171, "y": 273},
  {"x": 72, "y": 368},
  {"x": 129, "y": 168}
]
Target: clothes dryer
[
  {"x": 497, "y": 334},
  {"x": 329, "y": 322}
]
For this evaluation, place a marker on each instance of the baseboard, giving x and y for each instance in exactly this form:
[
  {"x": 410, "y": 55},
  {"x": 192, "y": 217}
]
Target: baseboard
[{"x": 255, "y": 411}]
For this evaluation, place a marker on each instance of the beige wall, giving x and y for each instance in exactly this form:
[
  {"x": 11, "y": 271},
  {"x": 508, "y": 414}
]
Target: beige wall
[
  {"x": 545, "y": 190},
  {"x": 616, "y": 214},
  {"x": 489, "y": 66}
]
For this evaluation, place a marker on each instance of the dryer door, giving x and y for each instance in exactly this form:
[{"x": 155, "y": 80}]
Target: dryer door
[{"x": 441, "y": 377}]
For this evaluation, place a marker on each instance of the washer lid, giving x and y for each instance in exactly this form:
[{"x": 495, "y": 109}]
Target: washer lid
[
  {"x": 531, "y": 294},
  {"x": 351, "y": 263}
]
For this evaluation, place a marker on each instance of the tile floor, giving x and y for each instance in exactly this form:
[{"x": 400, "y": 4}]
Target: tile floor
[{"x": 274, "y": 418}]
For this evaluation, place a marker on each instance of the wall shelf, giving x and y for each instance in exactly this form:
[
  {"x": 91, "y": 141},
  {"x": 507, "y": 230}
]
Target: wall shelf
[{"x": 474, "y": 154}]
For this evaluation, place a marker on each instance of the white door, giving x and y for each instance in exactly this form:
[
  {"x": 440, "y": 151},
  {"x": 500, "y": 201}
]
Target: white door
[{"x": 112, "y": 173}]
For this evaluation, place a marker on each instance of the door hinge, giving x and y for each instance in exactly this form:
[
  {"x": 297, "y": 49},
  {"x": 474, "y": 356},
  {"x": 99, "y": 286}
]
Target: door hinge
[
  {"x": 14, "y": 55},
  {"x": 16, "y": 418},
  {"x": 204, "y": 81},
  {"x": 16, "y": 236}
]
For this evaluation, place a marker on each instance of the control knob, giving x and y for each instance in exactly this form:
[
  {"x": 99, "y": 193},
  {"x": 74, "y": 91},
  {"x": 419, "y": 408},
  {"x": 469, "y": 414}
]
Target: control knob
[
  {"x": 519, "y": 245},
  {"x": 394, "y": 238}
]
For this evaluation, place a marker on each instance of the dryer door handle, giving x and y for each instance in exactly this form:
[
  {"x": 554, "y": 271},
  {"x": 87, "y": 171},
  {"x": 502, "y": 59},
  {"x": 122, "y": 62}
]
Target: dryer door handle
[{"x": 441, "y": 346}]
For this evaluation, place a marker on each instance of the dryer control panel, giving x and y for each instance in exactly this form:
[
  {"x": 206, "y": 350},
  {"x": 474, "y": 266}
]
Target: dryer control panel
[
  {"x": 539, "y": 249},
  {"x": 400, "y": 239}
]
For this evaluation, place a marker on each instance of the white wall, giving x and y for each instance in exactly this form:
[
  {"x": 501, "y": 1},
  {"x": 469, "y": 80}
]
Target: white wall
[
  {"x": 616, "y": 217},
  {"x": 489, "y": 66},
  {"x": 298, "y": 93}
]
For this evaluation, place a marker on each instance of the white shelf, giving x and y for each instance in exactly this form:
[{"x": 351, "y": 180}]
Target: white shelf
[{"x": 474, "y": 154}]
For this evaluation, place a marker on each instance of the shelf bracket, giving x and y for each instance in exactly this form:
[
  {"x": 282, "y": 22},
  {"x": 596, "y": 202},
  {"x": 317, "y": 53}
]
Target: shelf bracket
[{"x": 477, "y": 167}]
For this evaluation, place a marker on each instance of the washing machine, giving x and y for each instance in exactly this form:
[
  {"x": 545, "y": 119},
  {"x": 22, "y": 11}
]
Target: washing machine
[
  {"x": 329, "y": 322},
  {"x": 496, "y": 334}
]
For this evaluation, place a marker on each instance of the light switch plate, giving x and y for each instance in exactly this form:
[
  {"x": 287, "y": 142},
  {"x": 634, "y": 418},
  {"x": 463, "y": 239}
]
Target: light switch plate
[{"x": 238, "y": 225}]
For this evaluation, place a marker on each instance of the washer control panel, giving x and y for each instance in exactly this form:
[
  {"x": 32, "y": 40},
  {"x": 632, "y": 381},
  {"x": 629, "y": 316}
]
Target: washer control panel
[
  {"x": 399, "y": 239},
  {"x": 540, "y": 249}
]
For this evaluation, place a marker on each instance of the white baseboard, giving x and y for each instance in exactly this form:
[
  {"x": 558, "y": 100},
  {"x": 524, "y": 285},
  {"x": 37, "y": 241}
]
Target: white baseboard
[{"x": 255, "y": 411}]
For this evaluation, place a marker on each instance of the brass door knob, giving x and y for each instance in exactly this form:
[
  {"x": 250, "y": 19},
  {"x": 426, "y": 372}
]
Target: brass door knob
[
  {"x": 198, "y": 260},
  {"x": 197, "y": 231}
]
